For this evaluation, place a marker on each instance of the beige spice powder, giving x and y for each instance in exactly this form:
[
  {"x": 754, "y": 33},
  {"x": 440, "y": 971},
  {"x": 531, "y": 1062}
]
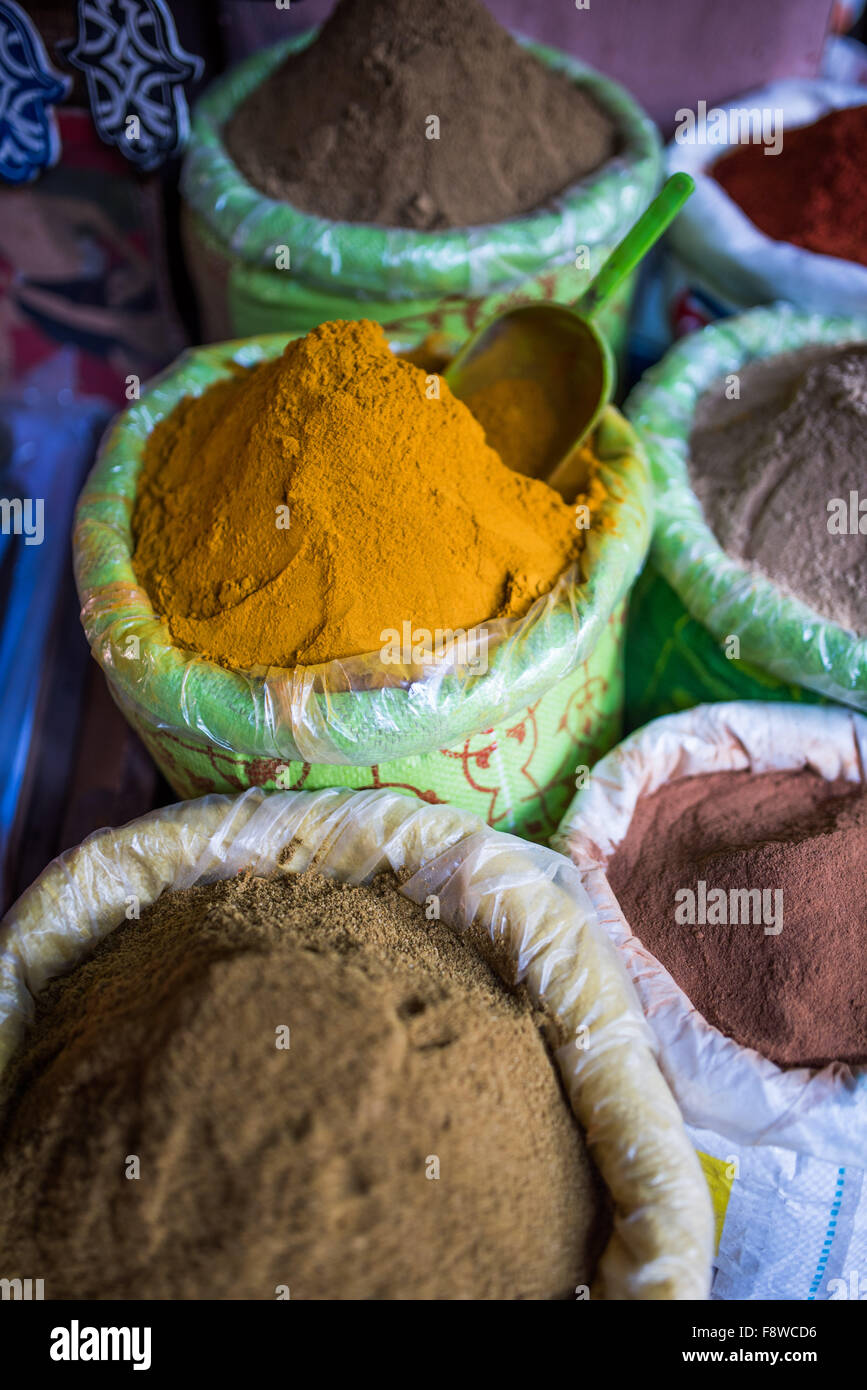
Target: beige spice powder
[{"x": 311, "y": 1168}]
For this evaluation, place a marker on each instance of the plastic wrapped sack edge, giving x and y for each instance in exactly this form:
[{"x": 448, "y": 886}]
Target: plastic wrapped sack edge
[
  {"x": 526, "y": 897},
  {"x": 401, "y": 263},
  {"x": 777, "y": 632},
  {"x": 720, "y": 1085},
  {"x": 358, "y": 711}
]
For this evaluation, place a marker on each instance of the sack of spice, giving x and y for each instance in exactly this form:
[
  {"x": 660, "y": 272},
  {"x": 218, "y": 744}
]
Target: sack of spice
[
  {"x": 421, "y": 616},
  {"x": 520, "y": 906},
  {"x": 756, "y": 590},
  {"x": 724, "y": 849},
  {"x": 778, "y": 212},
  {"x": 392, "y": 170}
]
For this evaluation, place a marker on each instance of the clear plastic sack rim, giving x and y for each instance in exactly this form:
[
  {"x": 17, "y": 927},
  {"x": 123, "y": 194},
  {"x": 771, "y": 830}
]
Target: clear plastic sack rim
[
  {"x": 527, "y": 898},
  {"x": 720, "y": 1085},
  {"x": 777, "y": 632},
  {"x": 473, "y": 260},
  {"x": 355, "y": 711}
]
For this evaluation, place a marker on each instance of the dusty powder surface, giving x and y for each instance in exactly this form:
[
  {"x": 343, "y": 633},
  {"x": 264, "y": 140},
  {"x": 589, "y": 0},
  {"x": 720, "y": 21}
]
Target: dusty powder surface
[
  {"x": 766, "y": 466},
  {"x": 399, "y": 511},
  {"x": 799, "y": 997},
  {"x": 812, "y": 193},
  {"x": 341, "y": 129},
  {"x": 302, "y": 1166}
]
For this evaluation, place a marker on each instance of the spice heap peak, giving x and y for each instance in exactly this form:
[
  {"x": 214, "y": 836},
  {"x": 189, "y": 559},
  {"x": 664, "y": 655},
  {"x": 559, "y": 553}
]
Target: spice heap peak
[
  {"x": 302, "y": 509},
  {"x": 408, "y": 114}
]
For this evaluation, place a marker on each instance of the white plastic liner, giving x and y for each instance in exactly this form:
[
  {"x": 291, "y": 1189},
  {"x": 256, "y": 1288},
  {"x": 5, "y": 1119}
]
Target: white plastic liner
[
  {"x": 725, "y": 252},
  {"x": 797, "y": 1138},
  {"x": 526, "y": 897}
]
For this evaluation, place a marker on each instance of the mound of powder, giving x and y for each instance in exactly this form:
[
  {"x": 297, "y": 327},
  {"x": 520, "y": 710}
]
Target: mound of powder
[
  {"x": 293, "y": 1084},
  {"x": 797, "y": 995},
  {"x": 301, "y": 510},
  {"x": 813, "y": 192},
  {"x": 775, "y": 471},
  {"x": 344, "y": 128}
]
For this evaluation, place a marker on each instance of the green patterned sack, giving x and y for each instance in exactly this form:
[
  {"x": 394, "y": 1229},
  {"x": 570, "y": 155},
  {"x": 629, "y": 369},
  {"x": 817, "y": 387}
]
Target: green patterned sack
[
  {"x": 505, "y": 743},
  {"x": 692, "y": 596},
  {"x": 413, "y": 282}
]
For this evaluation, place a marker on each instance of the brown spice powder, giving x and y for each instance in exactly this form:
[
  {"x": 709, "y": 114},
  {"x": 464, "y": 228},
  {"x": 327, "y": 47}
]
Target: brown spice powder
[
  {"x": 766, "y": 467},
  {"x": 306, "y": 1167},
  {"x": 799, "y": 997},
  {"x": 343, "y": 129}
]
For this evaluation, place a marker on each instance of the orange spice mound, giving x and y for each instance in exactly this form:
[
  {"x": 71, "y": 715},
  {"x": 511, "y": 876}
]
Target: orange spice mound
[{"x": 301, "y": 509}]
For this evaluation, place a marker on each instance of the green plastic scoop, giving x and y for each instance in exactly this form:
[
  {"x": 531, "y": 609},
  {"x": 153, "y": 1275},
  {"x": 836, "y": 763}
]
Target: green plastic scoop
[{"x": 560, "y": 348}]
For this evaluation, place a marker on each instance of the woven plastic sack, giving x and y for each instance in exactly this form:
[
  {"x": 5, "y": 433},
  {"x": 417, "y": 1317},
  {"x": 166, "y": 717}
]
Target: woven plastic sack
[
  {"x": 414, "y": 282},
  {"x": 721, "y": 253},
  {"x": 527, "y": 898},
  {"x": 504, "y": 743},
  {"x": 784, "y": 1152},
  {"x": 694, "y": 596}
]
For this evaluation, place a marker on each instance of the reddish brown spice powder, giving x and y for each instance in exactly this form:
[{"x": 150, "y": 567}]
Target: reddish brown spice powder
[
  {"x": 814, "y": 192},
  {"x": 797, "y": 995}
]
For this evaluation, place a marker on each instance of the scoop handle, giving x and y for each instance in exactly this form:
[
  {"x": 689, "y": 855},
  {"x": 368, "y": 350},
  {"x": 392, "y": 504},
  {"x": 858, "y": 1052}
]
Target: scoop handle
[{"x": 636, "y": 244}]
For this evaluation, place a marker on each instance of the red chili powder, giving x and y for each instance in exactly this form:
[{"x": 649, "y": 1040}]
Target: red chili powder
[{"x": 814, "y": 192}]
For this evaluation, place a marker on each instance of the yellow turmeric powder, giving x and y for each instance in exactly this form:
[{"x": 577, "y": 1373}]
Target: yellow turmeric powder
[
  {"x": 300, "y": 510},
  {"x": 519, "y": 422}
]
